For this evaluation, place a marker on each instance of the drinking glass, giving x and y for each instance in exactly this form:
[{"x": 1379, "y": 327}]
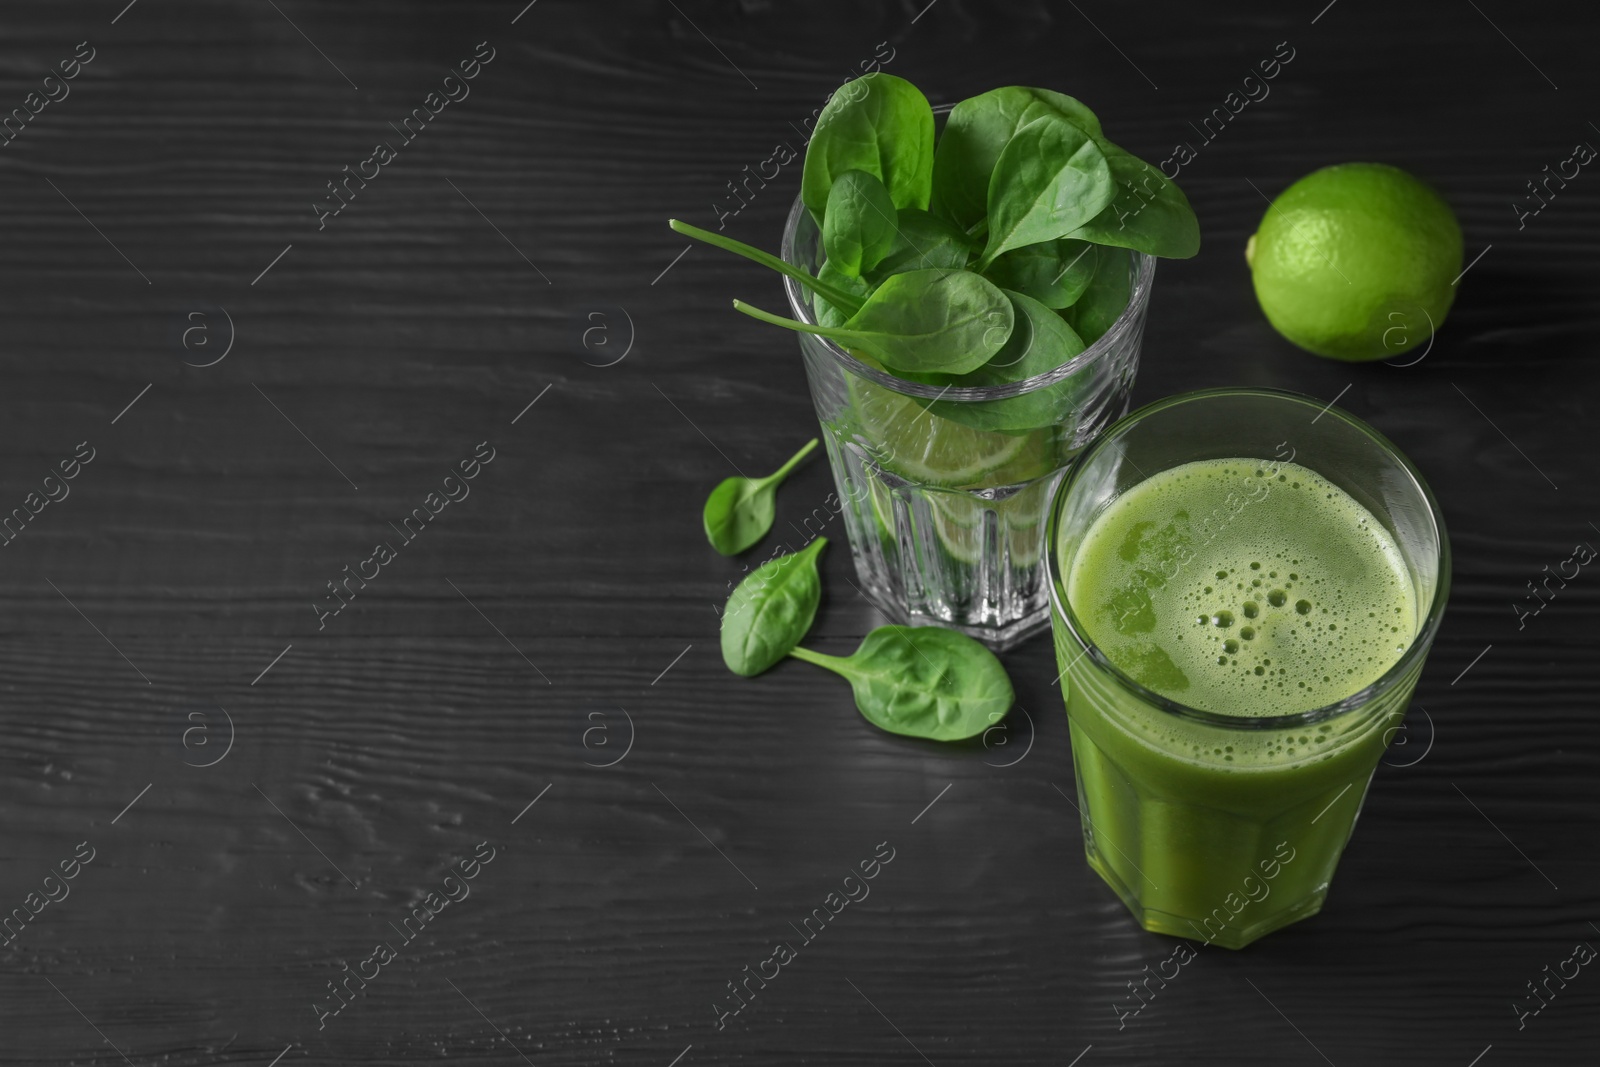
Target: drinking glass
[
  {"x": 946, "y": 521},
  {"x": 1195, "y": 844}
]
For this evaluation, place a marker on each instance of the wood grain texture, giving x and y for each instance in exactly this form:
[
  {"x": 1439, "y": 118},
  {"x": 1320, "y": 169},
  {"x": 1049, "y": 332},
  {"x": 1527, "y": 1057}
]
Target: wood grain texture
[{"x": 467, "y": 680}]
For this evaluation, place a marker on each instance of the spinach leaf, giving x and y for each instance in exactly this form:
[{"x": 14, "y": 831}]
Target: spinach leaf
[
  {"x": 974, "y": 135},
  {"x": 922, "y": 242},
  {"x": 1106, "y": 298},
  {"x": 833, "y": 295},
  {"x": 771, "y": 610},
  {"x": 880, "y": 124},
  {"x": 739, "y": 511},
  {"x": 1054, "y": 273},
  {"x": 922, "y": 320},
  {"x": 827, "y": 314},
  {"x": 1149, "y": 213},
  {"x": 1050, "y": 179},
  {"x": 859, "y": 228},
  {"x": 1040, "y": 342},
  {"x": 923, "y": 681}
]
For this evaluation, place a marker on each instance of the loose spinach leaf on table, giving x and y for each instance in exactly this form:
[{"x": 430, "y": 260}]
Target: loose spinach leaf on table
[
  {"x": 833, "y": 295},
  {"x": 1055, "y": 273},
  {"x": 771, "y": 610},
  {"x": 923, "y": 320},
  {"x": 1106, "y": 298},
  {"x": 974, "y": 135},
  {"x": 923, "y": 681},
  {"x": 880, "y": 124},
  {"x": 1149, "y": 213},
  {"x": 922, "y": 242},
  {"x": 1040, "y": 342},
  {"x": 1050, "y": 179},
  {"x": 740, "y": 510},
  {"x": 860, "y": 226}
]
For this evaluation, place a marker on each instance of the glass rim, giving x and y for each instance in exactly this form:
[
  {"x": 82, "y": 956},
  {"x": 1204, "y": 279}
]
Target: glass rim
[
  {"x": 1112, "y": 341},
  {"x": 1364, "y": 697}
]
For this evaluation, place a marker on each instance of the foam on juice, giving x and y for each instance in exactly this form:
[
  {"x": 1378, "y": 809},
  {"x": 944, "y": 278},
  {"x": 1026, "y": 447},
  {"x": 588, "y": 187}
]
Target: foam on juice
[{"x": 1244, "y": 588}]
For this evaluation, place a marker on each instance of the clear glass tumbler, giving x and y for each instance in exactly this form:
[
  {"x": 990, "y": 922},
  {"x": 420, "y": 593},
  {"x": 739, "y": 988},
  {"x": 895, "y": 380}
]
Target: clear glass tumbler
[
  {"x": 946, "y": 521},
  {"x": 1196, "y": 842}
]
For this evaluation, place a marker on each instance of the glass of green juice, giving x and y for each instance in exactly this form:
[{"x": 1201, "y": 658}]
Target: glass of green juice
[{"x": 1244, "y": 586}]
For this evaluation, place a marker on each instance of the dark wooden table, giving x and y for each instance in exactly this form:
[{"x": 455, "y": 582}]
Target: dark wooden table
[{"x": 267, "y": 389}]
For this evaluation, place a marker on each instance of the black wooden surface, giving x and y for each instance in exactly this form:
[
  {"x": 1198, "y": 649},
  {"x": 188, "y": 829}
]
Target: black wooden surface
[{"x": 565, "y": 610}]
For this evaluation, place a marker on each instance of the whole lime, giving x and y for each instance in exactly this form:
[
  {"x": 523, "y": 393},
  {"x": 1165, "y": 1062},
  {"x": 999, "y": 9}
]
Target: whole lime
[{"x": 1356, "y": 262}]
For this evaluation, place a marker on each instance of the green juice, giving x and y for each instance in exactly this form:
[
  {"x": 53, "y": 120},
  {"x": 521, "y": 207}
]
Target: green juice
[{"x": 1248, "y": 589}]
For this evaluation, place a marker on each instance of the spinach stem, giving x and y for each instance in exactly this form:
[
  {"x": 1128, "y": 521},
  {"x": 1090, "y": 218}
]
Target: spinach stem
[
  {"x": 829, "y": 662},
  {"x": 846, "y": 302},
  {"x": 783, "y": 472},
  {"x": 793, "y": 324}
]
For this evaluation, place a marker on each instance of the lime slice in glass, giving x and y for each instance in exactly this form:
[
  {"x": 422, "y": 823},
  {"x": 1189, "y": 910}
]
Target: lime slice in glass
[{"x": 903, "y": 437}]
